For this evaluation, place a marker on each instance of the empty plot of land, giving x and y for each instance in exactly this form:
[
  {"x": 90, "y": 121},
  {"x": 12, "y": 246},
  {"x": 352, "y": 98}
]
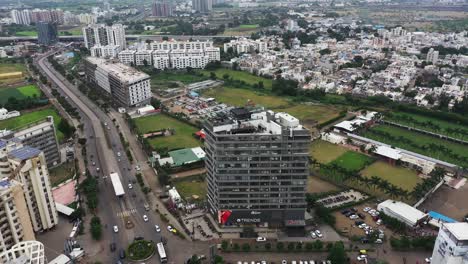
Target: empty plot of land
[
  {"x": 401, "y": 177},
  {"x": 18, "y": 93},
  {"x": 171, "y": 79},
  {"x": 182, "y": 137},
  {"x": 314, "y": 113},
  {"x": 317, "y": 185},
  {"x": 247, "y": 77},
  {"x": 188, "y": 188},
  {"x": 61, "y": 173},
  {"x": 325, "y": 152}
]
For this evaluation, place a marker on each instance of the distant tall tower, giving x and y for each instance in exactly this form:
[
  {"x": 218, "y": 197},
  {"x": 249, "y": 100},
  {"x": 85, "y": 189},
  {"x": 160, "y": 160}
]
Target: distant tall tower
[
  {"x": 47, "y": 33},
  {"x": 161, "y": 9},
  {"x": 202, "y": 6}
]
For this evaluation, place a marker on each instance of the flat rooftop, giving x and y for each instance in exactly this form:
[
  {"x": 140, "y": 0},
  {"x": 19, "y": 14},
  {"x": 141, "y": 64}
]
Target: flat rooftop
[
  {"x": 120, "y": 70},
  {"x": 458, "y": 230},
  {"x": 243, "y": 121}
]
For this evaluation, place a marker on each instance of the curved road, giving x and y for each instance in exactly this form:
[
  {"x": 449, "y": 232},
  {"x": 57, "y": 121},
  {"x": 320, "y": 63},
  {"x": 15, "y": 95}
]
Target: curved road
[{"x": 103, "y": 142}]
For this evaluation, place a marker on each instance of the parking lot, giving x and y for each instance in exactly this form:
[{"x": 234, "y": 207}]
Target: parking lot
[
  {"x": 342, "y": 198},
  {"x": 362, "y": 221},
  {"x": 273, "y": 257}
]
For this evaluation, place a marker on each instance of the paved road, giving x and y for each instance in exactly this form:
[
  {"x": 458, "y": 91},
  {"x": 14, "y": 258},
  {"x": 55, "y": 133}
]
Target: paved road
[{"x": 103, "y": 142}]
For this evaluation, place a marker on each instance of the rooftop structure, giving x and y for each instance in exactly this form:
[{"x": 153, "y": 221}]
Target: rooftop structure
[
  {"x": 451, "y": 245},
  {"x": 403, "y": 212}
]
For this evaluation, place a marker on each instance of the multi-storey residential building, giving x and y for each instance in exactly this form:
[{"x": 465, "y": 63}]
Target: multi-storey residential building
[
  {"x": 174, "y": 54},
  {"x": 432, "y": 56},
  {"x": 41, "y": 135},
  {"x": 257, "y": 168},
  {"x": 107, "y": 51},
  {"x": 127, "y": 56},
  {"x": 126, "y": 85},
  {"x": 451, "y": 245},
  {"x": 47, "y": 33},
  {"x": 21, "y": 17},
  {"x": 202, "y": 6},
  {"x": 15, "y": 223},
  {"x": 161, "y": 9},
  {"x": 244, "y": 45},
  {"x": 87, "y": 19},
  {"x": 26, "y": 252},
  {"x": 29, "y": 167},
  {"x": 103, "y": 35}
]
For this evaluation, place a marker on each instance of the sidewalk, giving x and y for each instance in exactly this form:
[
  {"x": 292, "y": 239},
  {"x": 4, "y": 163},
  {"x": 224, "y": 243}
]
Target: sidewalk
[{"x": 149, "y": 174}]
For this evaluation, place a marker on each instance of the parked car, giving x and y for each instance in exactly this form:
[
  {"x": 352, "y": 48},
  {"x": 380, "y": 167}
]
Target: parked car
[
  {"x": 313, "y": 235},
  {"x": 378, "y": 241},
  {"x": 319, "y": 234},
  {"x": 366, "y": 209},
  {"x": 261, "y": 239},
  {"x": 361, "y": 216},
  {"x": 130, "y": 186},
  {"x": 145, "y": 218},
  {"x": 353, "y": 217},
  {"x": 361, "y": 257},
  {"x": 138, "y": 168},
  {"x": 158, "y": 229}
]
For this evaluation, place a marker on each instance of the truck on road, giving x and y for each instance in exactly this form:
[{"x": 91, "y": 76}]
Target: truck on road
[{"x": 117, "y": 184}]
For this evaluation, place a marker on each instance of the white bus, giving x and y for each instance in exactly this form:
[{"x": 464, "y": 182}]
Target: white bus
[{"x": 161, "y": 252}]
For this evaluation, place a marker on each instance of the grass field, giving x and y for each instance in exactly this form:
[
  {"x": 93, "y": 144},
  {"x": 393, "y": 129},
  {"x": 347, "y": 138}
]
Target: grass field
[
  {"x": 18, "y": 93},
  {"x": 30, "y": 117},
  {"x": 164, "y": 79},
  {"x": 249, "y": 26},
  {"x": 26, "y": 33},
  {"x": 183, "y": 137},
  {"x": 402, "y": 177},
  {"x": 241, "y": 76},
  {"x": 310, "y": 114},
  {"x": 61, "y": 173},
  {"x": 325, "y": 152},
  {"x": 187, "y": 188},
  {"x": 73, "y": 31},
  {"x": 242, "y": 30},
  {"x": 351, "y": 160},
  {"x": 399, "y": 117},
  {"x": 422, "y": 143}
]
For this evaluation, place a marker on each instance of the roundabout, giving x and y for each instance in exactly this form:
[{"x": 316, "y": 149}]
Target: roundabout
[{"x": 141, "y": 250}]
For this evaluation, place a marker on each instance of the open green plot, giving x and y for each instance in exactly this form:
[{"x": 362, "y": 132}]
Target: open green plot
[
  {"x": 173, "y": 79},
  {"x": 182, "y": 137},
  {"x": 241, "y": 97},
  {"x": 26, "y": 33},
  {"x": 249, "y": 26},
  {"x": 325, "y": 152},
  {"x": 61, "y": 173},
  {"x": 430, "y": 124},
  {"x": 12, "y": 67},
  {"x": 71, "y": 32},
  {"x": 31, "y": 117},
  {"x": 29, "y": 90},
  {"x": 351, "y": 160},
  {"x": 188, "y": 188},
  {"x": 247, "y": 77},
  {"x": 424, "y": 144},
  {"x": 399, "y": 176}
]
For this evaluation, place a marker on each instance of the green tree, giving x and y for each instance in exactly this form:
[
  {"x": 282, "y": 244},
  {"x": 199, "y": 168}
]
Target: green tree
[
  {"x": 96, "y": 228},
  {"x": 224, "y": 245},
  {"x": 245, "y": 247},
  {"x": 280, "y": 246},
  {"x": 337, "y": 254}
]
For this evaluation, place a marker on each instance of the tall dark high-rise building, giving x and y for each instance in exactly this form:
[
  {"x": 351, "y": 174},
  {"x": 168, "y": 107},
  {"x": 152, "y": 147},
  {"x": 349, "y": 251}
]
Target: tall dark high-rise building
[
  {"x": 257, "y": 167},
  {"x": 202, "y": 6},
  {"x": 47, "y": 33},
  {"x": 161, "y": 9}
]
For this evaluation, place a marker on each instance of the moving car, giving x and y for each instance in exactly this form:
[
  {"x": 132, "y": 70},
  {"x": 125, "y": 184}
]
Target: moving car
[
  {"x": 261, "y": 239},
  {"x": 157, "y": 228},
  {"x": 118, "y": 154},
  {"x": 145, "y": 218},
  {"x": 116, "y": 229},
  {"x": 361, "y": 257},
  {"x": 138, "y": 168},
  {"x": 112, "y": 247},
  {"x": 130, "y": 186}
]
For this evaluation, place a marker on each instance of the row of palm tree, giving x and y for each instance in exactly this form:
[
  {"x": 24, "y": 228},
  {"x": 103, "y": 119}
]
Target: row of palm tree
[
  {"x": 450, "y": 131},
  {"x": 442, "y": 150}
]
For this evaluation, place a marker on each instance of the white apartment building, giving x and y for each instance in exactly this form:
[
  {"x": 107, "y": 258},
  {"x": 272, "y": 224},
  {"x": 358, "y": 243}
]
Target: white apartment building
[
  {"x": 87, "y": 19},
  {"x": 126, "y": 85},
  {"x": 28, "y": 165},
  {"x": 108, "y": 51},
  {"x": 244, "y": 45},
  {"x": 15, "y": 223},
  {"x": 173, "y": 54},
  {"x": 451, "y": 245},
  {"x": 143, "y": 55},
  {"x": 432, "y": 56},
  {"x": 21, "y": 17},
  {"x": 127, "y": 56},
  {"x": 103, "y": 35},
  {"x": 30, "y": 252}
]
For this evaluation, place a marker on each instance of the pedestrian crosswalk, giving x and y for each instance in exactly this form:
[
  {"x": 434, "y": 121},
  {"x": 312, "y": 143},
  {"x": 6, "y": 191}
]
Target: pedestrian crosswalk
[{"x": 127, "y": 213}]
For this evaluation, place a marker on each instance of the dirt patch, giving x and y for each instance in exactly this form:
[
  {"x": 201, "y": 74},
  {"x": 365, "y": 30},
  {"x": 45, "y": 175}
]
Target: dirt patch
[{"x": 317, "y": 185}]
